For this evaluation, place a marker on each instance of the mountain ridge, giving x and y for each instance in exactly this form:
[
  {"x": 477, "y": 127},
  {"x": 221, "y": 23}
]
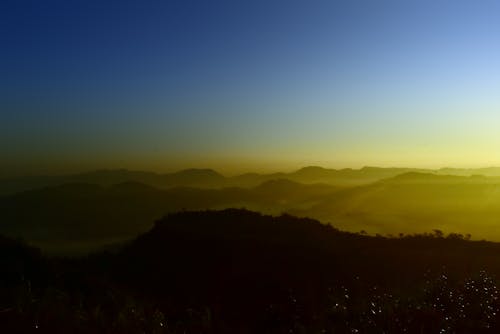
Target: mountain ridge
[{"x": 210, "y": 178}]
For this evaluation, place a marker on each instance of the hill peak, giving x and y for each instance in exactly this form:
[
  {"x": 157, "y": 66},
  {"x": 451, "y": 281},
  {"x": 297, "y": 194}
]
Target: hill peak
[
  {"x": 278, "y": 184},
  {"x": 424, "y": 176},
  {"x": 199, "y": 171},
  {"x": 311, "y": 169}
]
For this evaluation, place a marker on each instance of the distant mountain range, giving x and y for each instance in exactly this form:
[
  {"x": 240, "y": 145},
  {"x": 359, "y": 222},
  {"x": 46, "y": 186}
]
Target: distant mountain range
[
  {"x": 81, "y": 215},
  {"x": 208, "y": 178}
]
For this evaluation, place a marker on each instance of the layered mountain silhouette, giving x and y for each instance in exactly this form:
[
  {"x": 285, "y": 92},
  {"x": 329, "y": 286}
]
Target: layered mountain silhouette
[
  {"x": 82, "y": 216},
  {"x": 416, "y": 202},
  {"x": 188, "y": 177},
  {"x": 208, "y": 178}
]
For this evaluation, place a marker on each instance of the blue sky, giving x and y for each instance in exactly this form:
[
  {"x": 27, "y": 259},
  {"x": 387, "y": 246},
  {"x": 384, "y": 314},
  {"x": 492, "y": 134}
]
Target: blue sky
[{"x": 239, "y": 85}]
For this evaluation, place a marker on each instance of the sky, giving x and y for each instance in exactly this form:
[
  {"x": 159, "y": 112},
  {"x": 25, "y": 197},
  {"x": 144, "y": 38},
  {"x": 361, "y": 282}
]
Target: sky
[{"x": 248, "y": 85}]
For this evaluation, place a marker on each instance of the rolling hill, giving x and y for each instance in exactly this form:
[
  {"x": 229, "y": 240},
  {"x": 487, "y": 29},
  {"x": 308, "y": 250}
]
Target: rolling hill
[
  {"x": 238, "y": 271},
  {"x": 81, "y": 216},
  {"x": 208, "y": 178},
  {"x": 416, "y": 203}
]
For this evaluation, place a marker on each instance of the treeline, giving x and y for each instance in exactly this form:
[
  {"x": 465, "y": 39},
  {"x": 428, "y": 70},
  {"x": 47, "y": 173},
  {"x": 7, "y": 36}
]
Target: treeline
[{"x": 237, "y": 271}]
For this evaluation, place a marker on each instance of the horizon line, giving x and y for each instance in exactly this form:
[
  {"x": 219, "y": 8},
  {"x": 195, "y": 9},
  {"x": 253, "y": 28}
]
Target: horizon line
[{"x": 215, "y": 170}]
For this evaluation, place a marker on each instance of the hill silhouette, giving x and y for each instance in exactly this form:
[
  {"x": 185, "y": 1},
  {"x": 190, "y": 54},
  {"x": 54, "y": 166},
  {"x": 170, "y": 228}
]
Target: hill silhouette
[
  {"x": 204, "y": 178},
  {"x": 208, "y": 178},
  {"x": 79, "y": 217},
  {"x": 415, "y": 202},
  {"x": 238, "y": 271}
]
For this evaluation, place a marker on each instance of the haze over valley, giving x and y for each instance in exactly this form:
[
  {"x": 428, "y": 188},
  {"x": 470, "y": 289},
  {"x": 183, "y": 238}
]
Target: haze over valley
[{"x": 83, "y": 212}]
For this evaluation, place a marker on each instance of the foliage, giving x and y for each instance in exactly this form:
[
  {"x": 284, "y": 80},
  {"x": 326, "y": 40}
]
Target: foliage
[{"x": 237, "y": 271}]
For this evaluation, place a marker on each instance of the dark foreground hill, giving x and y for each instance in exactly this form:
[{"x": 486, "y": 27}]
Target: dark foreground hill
[
  {"x": 237, "y": 271},
  {"x": 77, "y": 217}
]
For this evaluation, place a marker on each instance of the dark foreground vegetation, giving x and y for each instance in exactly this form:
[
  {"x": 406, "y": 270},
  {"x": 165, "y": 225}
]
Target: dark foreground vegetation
[{"x": 236, "y": 271}]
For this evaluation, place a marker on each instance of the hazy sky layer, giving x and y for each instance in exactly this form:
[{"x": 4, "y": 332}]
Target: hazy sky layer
[{"x": 240, "y": 85}]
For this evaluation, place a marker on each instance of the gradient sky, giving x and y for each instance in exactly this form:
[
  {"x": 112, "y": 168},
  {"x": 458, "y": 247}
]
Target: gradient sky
[{"x": 248, "y": 85}]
